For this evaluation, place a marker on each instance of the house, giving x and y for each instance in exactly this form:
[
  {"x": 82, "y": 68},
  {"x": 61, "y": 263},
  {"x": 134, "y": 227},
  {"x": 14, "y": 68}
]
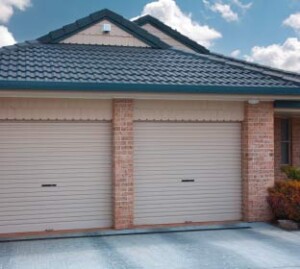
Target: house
[{"x": 109, "y": 123}]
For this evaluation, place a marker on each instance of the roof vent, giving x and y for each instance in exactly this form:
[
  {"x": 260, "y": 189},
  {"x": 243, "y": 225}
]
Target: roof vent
[{"x": 106, "y": 28}]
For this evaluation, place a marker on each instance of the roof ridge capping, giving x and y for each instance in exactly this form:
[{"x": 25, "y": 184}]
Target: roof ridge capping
[
  {"x": 171, "y": 32},
  {"x": 70, "y": 29}
]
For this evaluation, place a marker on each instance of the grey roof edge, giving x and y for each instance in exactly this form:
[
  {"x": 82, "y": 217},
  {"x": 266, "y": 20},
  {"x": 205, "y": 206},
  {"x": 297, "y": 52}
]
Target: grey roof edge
[
  {"x": 284, "y": 75},
  {"x": 83, "y": 23},
  {"x": 171, "y": 32},
  {"x": 147, "y": 88}
]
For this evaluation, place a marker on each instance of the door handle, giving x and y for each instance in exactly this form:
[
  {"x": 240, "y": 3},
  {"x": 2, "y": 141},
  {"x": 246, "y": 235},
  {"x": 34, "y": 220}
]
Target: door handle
[
  {"x": 187, "y": 180},
  {"x": 48, "y": 185}
]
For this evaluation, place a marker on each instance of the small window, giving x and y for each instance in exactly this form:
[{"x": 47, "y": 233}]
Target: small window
[{"x": 285, "y": 141}]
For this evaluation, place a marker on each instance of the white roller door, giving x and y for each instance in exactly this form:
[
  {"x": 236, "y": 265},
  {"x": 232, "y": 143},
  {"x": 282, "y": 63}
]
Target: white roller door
[
  {"x": 187, "y": 172},
  {"x": 55, "y": 176}
]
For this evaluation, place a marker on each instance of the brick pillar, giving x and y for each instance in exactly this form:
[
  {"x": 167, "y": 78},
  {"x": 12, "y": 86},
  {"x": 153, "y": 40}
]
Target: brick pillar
[
  {"x": 258, "y": 160},
  {"x": 123, "y": 163}
]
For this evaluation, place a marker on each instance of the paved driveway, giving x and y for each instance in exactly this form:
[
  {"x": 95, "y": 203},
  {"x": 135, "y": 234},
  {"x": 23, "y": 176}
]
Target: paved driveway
[{"x": 262, "y": 246}]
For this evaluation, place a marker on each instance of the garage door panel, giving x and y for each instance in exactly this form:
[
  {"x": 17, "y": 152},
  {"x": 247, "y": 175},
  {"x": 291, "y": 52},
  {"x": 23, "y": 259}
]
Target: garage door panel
[
  {"x": 62, "y": 198},
  {"x": 52, "y": 161},
  {"x": 190, "y": 166},
  {"x": 207, "y": 155},
  {"x": 185, "y": 174},
  {"x": 62, "y": 184},
  {"x": 54, "y": 213},
  {"x": 72, "y": 204},
  {"x": 51, "y": 203},
  {"x": 52, "y": 151},
  {"x": 73, "y": 157},
  {"x": 47, "y": 220},
  {"x": 187, "y": 206},
  {"x": 72, "y": 225},
  {"x": 173, "y": 180},
  {"x": 55, "y": 194},
  {"x": 175, "y": 185},
  {"x": 226, "y": 216},
  {"x": 178, "y": 195},
  {"x": 57, "y": 190},
  {"x": 59, "y": 167},
  {"x": 232, "y": 159},
  {"x": 29, "y": 172},
  {"x": 190, "y": 211},
  {"x": 190, "y": 200},
  {"x": 193, "y": 169}
]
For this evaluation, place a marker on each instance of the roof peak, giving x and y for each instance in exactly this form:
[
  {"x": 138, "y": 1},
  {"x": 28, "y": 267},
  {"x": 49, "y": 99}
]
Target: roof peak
[
  {"x": 171, "y": 32},
  {"x": 70, "y": 29}
]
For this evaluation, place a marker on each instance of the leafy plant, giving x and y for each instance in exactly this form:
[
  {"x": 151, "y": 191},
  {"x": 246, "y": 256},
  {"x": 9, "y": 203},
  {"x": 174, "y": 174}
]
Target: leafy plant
[
  {"x": 284, "y": 200},
  {"x": 291, "y": 172}
]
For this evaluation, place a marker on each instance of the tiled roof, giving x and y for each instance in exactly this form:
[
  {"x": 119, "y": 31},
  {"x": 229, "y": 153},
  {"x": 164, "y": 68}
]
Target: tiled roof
[
  {"x": 200, "y": 49},
  {"x": 127, "y": 65}
]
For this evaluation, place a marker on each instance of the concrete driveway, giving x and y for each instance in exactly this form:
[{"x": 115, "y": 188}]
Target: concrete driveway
[{"x": 262, "y": 246}]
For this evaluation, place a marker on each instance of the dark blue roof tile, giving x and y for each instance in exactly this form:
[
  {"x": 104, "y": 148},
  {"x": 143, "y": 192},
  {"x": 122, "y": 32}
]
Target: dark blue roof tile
[{"x": 111, "y": 64}]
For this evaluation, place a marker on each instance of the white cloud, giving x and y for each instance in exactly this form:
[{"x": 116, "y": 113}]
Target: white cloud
[
  {"x": 225, "y": 8},
  {"x": 293, "y": 21},
  {"x": 241, "y": 5},
  {"x": 285, "y": 56},
  {"x": 6, "y": 37},
  {"x": 225, "y": 11},
  {"x": 235, "y": 53},
  {"x": 7, "y": 8},
  {"x": 168, "y": 12}
]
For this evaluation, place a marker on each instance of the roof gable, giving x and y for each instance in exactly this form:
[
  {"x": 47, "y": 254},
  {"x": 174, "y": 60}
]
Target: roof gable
[
  {"x": 171, "y": 32},
  {"x": 166, "y": 38},
  {"x": 94, "y": 35},
  {"x": 69, "y": 30}
]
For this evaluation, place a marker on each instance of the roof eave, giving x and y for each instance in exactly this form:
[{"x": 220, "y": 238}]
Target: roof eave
[{"x": 147, "y": 88}]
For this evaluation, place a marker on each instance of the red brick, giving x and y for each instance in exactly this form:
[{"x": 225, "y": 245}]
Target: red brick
[
  {"x": 258, "y": 160},
  {"x": 123, "y": 163}
]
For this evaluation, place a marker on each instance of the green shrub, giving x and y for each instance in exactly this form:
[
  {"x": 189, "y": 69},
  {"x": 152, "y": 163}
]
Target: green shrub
[
  {"x": 291, "y": 172},
  {"x": 284, "y": 200}
]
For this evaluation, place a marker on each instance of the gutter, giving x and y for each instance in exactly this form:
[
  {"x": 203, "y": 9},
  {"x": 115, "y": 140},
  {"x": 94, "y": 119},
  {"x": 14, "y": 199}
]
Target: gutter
[{"x": 146, "y": 88}]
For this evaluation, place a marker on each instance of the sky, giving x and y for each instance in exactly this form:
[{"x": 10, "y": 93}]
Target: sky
[{"x": 262, "y": 31}]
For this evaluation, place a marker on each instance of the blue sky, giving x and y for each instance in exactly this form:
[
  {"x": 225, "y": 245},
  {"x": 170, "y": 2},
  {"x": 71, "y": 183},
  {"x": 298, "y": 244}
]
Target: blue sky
[{"x": 265, "y": 31}]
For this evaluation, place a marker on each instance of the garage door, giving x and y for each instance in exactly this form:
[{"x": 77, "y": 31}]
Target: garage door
[
  {"x": 54, "y": 176},
  {"x": 187, "y": 172}
]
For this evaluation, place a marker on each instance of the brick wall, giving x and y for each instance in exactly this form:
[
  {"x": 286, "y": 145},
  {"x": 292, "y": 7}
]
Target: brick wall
[
  {"x": 258, "y": 160},
  {"x": 123, "y": 163},
  {"x": 296, "y": 142}
]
